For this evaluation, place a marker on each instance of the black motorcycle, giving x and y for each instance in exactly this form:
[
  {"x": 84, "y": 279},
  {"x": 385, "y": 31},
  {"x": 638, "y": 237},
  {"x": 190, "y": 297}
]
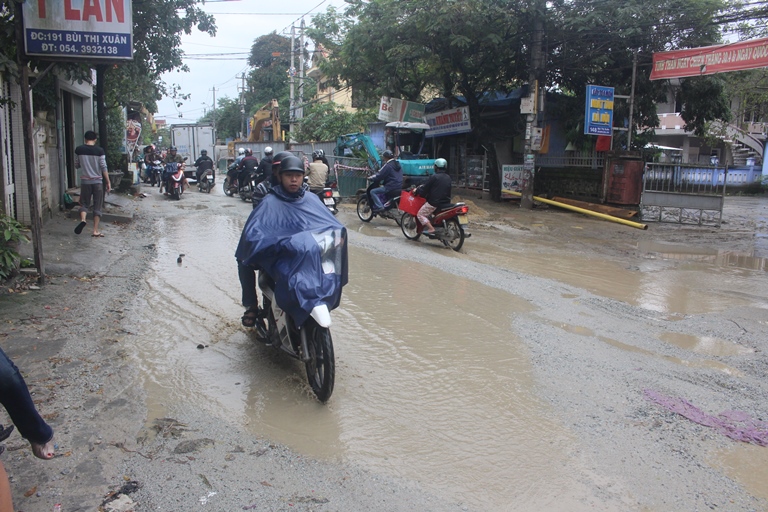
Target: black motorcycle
[
  {"x": 230, "y": 182},
  {"x": 366, "y": 211},
  {"x": 206, "y": 182}
]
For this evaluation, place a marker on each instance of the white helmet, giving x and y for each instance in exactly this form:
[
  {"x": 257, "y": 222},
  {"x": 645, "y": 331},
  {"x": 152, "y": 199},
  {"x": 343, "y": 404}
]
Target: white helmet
[
  {"x": 241, "y": 151},
  {"x": 268, "y": 150}
]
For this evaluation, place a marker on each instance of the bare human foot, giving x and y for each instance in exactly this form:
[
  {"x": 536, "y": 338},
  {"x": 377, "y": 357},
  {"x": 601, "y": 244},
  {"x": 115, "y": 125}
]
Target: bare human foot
[{"x": 44, "y": 451}]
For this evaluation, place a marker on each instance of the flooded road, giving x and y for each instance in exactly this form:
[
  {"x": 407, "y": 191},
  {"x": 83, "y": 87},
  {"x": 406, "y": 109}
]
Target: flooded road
[{"x": 435, "y": 378}]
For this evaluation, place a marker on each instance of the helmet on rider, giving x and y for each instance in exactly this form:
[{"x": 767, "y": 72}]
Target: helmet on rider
[
  {"x": 204, "y": 152},
  {"x": 322, "y": 153},
  {"x": 291, "y": 164},
  {"x": 279, "y": 158},
  {"x": 387, "y": 155},
  {"x": 241, "y": 151},
  {"x": 317, "y": 155},
  {"x": 268, "y": 150},
  {"x": 248, "y": 152},
  {"x": 441, "y": 164},
  {"x": 172, "y": 148}
]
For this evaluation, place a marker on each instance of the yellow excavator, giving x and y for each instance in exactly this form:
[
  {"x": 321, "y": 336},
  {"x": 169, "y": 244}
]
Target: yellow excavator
[{"x": 259, "y": 123}]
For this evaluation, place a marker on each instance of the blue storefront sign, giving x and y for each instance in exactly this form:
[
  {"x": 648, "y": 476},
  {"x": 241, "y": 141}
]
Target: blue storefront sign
[{"x": 598, "y": 117}]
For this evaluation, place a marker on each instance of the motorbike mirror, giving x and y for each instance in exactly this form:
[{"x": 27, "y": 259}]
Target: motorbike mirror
[{"x": 185, "y": 158}]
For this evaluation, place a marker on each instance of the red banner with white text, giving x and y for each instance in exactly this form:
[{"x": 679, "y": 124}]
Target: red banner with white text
[{"x": 710, "y": 59}]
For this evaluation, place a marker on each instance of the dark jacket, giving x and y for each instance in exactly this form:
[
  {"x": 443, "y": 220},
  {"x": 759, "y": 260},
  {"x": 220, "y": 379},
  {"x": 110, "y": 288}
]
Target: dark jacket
[
  {"x": 264, "y": 169},
  {"x": 204, "y": 163},
  {"x": 391, "y": 176},
  {"x": 436, "y": 190},
  {"x": 248, "y": 163}
]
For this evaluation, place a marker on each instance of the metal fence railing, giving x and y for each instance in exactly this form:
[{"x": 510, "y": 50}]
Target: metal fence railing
[
  {"x": 351, "y": 174},
  {"x": 685, "y": 194}
]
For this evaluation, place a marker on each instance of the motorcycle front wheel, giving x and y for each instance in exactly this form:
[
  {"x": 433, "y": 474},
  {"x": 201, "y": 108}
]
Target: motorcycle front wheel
[
  {"x": 321, "y": 367},
  {"x": 364, "y": 210},
  {"x": 454, "y": 234},
  {"x": 409, "y": 226}
]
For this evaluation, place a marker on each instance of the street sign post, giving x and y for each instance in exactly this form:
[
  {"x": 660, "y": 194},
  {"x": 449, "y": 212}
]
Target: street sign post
[{"x": 598, "y": 117}]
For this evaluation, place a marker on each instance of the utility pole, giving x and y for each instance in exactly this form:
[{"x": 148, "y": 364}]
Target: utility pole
[
  {"x": 532, "y": 120},
  {"x": 292, "y": 74},
  {"x": 632, "y": 100},
  {"x": 300, "y": 108},
  {"x": 242, "y": 107},
  {"x": 214, "y": 115}
]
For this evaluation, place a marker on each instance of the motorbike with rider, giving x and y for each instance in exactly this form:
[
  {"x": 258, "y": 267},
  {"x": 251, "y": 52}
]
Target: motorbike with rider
[
  {"x": 230, "y": 182},
  {"x": 429, "y": 211},
  {"x": 204, "y": 167},
  {"x": 168, "y": 170},
  {"x": 383, "y": 194},
  {"x": 300, "y": 252}
]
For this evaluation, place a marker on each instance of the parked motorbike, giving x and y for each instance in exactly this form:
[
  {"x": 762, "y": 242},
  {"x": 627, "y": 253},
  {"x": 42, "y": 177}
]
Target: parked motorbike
[
  {"x": 450, "y": 221},
  {"x": 366, "y": 212},
  {"x": 206, "y": 181},
  {"x": 311, "y": 342}
]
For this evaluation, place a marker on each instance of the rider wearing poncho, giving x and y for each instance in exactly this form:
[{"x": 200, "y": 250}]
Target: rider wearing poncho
[{"x": 280, "y": 238}]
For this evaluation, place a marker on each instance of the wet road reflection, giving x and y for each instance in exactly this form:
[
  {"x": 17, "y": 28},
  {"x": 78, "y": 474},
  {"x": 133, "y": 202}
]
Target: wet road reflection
[{"x": 432, "y": 383}]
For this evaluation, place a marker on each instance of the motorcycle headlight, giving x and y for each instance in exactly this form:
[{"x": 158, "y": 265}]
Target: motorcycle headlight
[{"x": 331, "y": 243}]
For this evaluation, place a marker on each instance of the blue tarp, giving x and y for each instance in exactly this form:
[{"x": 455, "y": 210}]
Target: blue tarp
[{"x": 280, "y": 238}]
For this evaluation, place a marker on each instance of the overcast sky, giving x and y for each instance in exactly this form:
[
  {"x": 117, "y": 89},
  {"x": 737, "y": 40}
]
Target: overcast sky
[{"x": 238, "y": 23}]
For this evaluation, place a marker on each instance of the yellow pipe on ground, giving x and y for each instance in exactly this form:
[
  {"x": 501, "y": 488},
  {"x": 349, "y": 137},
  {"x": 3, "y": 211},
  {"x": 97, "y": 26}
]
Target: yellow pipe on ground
[{"x": 581, "y": 210}]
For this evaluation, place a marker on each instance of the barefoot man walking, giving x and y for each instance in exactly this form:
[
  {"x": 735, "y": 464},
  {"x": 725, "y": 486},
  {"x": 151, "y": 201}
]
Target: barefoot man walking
[{"x": 91, "y": 160}]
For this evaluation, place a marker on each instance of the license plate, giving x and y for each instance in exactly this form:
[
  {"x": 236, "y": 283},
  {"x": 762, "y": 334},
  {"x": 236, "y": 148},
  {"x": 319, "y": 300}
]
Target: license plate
[
  {"x": 329, "y": 201},
  {"x": 463, "y": 219}
]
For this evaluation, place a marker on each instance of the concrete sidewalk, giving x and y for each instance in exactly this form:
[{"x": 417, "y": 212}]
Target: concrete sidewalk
[{"x": 65, "y": 253}]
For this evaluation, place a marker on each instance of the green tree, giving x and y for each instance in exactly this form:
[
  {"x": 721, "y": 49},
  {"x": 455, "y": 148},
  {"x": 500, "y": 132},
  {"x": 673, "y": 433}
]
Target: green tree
[
  {"x": 416, "y": 49},
  {"x": 228, "y": 118},
  {"x": 270, "y": 59},
  {"x": 594, "y": 42},
  {"x": 326, "y": 121},
  {"x": 157, "y": 29}
]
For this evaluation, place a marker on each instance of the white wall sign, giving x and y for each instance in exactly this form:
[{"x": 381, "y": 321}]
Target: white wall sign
[
  {"x": 79, "y": 29},
  {"x": 449, "y": 122}
]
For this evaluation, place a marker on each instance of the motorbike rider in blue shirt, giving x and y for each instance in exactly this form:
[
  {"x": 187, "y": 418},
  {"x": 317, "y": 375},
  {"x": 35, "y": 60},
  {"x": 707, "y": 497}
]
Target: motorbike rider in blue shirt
[{"x": 391, "y": 178}]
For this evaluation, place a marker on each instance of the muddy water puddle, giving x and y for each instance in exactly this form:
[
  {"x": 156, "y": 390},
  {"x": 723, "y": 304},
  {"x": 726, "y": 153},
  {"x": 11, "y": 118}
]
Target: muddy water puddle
[
  {"x": 419, "y": 393},
  {"x": 718, "y": 258},
  {"x": 655, "y": 284}
]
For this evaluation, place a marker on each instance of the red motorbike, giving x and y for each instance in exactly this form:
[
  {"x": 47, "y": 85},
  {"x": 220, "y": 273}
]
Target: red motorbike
[
  {"x": 174, "y": 173},
  {"x": 450, "y": 221}
]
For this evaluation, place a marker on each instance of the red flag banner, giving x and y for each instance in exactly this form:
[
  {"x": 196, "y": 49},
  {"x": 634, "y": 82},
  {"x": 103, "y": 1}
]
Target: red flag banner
[{"x": 710, "y": 59}]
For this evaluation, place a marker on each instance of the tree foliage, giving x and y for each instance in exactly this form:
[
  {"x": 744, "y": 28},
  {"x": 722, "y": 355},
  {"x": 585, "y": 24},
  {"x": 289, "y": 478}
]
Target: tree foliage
[
  {"x": 416, "y": 49},
  {"x": 229, "y": 120},
  {"x": 326, "y": 121}
]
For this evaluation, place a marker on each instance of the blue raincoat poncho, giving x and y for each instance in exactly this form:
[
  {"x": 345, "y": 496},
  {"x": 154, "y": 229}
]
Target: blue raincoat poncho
[{"x": 300, "y": 245}]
